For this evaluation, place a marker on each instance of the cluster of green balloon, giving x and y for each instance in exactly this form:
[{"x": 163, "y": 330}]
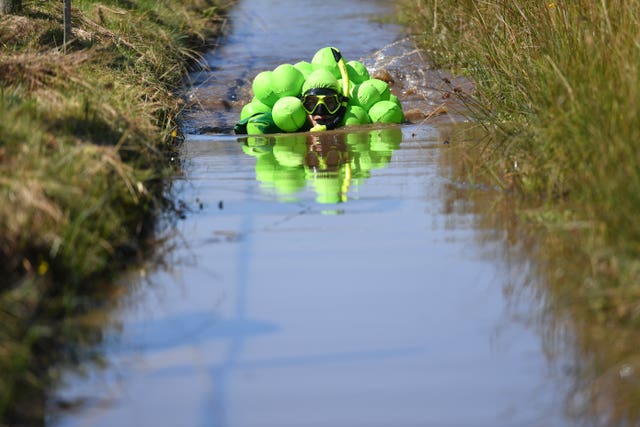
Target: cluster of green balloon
[
  {"x": 276, "y": 95},
  {"x": 371, "y": 150},
  {"x": 279, "y": 163},
  {"x": 283, "y": 163}
]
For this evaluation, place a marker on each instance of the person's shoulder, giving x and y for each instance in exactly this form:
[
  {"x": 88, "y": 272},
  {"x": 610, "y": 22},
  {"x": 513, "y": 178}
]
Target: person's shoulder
[{"x": 258, "y": 123}]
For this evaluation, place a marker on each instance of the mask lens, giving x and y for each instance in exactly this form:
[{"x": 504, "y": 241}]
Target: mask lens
[
  {"x": 310, "y": 102},
  {"x": 332, "y": 103}
]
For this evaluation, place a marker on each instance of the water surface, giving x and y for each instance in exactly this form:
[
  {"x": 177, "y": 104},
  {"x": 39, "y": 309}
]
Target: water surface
[{"x": 326, "y": 280}]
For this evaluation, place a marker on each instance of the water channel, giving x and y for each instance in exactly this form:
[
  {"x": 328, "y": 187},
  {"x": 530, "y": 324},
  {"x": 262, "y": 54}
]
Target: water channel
[{"x": 360, "y": 290}]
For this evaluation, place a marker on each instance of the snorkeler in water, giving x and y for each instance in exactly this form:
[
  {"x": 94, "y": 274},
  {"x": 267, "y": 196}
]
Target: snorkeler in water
[{"x": 322, "y": 95}]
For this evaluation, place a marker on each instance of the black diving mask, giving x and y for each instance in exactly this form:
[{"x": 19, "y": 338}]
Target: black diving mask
[{"x": 325, "y": 103}]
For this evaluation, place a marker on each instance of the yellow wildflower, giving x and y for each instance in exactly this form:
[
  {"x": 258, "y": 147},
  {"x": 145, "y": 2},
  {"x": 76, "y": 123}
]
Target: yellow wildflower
[{"x": 43, "y": 267}]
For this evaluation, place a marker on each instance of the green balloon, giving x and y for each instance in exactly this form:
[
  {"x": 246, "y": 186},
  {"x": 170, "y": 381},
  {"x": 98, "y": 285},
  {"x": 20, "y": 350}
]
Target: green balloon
[
  {"x": 386, "y": 112},
  {"x": 324, "y": 59},
  {"x": 321, "y": 79},
  {"x": 252, "y": 108},
  {"x": 395, "y": 99},
  {"x": 358, "y": 73},
  {"x": 286, "y": 80},
  {"x": 382, "y": 87},
  {"x": 304, "y": 67},
  {"x": 365, "y": 95},
  {"x": 262, "y": 88},
  {"x": 288, "y": 114},
  {"x": 355, "y": 115}
]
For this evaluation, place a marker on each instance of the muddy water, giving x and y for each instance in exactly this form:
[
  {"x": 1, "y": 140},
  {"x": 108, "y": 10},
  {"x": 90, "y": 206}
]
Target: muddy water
[{"x": 325, "y": 280}]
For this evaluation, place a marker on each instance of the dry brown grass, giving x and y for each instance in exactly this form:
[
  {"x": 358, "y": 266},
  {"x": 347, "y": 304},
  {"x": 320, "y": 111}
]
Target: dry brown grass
[
  {"x": 85, "y": 143},
  {"x": 42, "y": 70}
]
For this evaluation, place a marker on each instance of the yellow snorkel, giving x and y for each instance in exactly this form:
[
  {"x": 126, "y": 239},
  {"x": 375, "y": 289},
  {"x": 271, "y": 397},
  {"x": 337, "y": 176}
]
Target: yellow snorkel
[{"x": 342, "y": 66}]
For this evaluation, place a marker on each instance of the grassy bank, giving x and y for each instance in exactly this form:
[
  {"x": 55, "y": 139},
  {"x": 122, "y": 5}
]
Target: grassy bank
[
  {"x": 86, "y": 139},
  {"x": 560, "y": 83}
]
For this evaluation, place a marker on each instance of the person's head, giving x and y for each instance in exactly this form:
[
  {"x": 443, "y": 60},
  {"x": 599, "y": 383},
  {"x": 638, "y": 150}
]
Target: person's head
[
  {"x": 322, "y": 100},
  {"x": 324, "y": 107}
]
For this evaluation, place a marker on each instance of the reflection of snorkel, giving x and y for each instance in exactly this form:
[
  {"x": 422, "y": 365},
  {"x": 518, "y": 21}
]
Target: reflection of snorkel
[{"x": 334, "y": 122}]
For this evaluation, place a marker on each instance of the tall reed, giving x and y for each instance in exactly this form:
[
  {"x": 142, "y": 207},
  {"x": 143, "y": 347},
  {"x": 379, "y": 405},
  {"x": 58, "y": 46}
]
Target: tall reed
[
  {"x": 560, "y": 80},
  {"x": 565, "y": 76}
]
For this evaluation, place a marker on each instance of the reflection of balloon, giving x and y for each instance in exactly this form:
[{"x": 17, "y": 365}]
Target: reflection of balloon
[
  {"x": 330, "y": 162},
  {"x": 257, "y": 146},
  {"x": 290, "y": 150},
  {"x": 328, "y": 188},
  {"x": 279, "y": 161},
  {"x": 266, "y": 166},
  {"x": 386, "y": 139},
  {"x": 358, "y": 146},
  {"x": 382, "y": 143},
  {"x": 357, "y": 141},
  {"x": 288, "y": 180}
]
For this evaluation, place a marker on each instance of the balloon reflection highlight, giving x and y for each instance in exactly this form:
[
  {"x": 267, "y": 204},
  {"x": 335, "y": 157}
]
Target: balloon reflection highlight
[{"x": 329, "y": 162}]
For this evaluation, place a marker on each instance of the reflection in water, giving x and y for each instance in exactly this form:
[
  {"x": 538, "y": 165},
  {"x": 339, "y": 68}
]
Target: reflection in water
[
  {"x": 379, "y": 316},
  {"x": 330, "y": 162},
  {"x": 606, "y": 368},
  {"x": 358, "y": 305},
  {"x": 599, "y": 359},
  {"x": 221, "y": 358}
]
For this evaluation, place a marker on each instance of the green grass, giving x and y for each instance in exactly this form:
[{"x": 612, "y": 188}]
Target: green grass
[
  {"x": 560, "y": 81},
  {"x": 86, "y": 140},
  {"x": 90, "y": 131}
]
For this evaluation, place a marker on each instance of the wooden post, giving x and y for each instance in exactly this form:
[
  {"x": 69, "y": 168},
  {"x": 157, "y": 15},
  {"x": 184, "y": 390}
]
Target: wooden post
[
  {"x": 10, "y": 6},
  {"x": 67, "y": 23}
]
